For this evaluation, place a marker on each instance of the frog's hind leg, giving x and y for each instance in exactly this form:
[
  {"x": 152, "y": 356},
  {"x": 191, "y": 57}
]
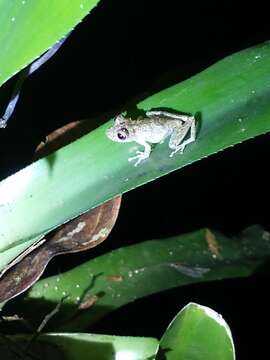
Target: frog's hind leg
[
  {"x": 168, "y": 115},
  {"x": 176, "y": 141}
]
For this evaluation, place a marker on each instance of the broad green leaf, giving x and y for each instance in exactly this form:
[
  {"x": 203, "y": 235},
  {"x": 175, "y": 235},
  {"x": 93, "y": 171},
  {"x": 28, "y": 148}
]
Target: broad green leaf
[
  {"x": 30, "y": 27},
  {"x": 110, "y": 281},
  {"x": 232, "y": 98},
  {"x": 197, "y": 333},
  {"x": 80, "y": 346},
  {"x": 104, "y": 347}
]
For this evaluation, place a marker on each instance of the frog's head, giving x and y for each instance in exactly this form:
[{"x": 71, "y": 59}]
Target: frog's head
[{"x": 119, "y": 131}]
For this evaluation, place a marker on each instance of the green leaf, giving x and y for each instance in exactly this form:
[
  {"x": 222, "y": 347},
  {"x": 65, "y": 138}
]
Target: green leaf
[
  {"x": 76, "y": 346},
  {"x": 197, "y": 333},
  {"x": 233, "y": 100},
  {"x": 110, "y": 281},
  {"x": 30, "y": 27},
  {"x": 105, "y": 346}
]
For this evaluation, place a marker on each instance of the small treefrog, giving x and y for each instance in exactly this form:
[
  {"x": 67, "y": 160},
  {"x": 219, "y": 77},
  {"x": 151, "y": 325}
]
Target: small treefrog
[{"x": 153, "y": 129}]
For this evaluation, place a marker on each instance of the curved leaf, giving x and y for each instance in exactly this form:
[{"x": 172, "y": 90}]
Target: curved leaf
[
  {"x": 107, "y": 282},
  {"x": 30, "y": 27},
  {"x": 232, "y": 98},
  {"x": 104, "y": 347},
  {"x": 197, "y": 333},
  {"x": 76, "y": 346}
]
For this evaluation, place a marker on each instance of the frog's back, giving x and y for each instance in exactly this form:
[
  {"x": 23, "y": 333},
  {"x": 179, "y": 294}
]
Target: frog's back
[{"x": 153, "y": 130}]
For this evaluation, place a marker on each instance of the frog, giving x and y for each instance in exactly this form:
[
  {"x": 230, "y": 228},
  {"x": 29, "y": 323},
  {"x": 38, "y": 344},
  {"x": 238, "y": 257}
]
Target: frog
[{"x": 154, "y": 128}]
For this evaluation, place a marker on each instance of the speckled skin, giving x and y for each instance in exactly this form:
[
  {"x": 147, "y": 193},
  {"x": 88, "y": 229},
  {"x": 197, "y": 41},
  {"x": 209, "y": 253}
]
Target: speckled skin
[{"x": 155, "y": 128}]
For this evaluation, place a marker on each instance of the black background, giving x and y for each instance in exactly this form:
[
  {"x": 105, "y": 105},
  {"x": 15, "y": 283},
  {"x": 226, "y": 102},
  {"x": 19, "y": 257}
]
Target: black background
[{"x": 122, "y": 51}]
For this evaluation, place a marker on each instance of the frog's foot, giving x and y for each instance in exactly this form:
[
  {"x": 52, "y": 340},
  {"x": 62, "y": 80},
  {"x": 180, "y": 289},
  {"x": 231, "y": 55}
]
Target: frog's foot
[
  {"x": 141, "y": 155},
  {"x": 178, "y": 149}
]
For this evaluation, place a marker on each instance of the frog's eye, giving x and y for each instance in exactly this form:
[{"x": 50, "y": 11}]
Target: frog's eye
[{"x": 122, "y": 134}]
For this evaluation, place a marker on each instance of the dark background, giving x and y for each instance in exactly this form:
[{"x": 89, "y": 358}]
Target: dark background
[{"x": 126, "y": 50}]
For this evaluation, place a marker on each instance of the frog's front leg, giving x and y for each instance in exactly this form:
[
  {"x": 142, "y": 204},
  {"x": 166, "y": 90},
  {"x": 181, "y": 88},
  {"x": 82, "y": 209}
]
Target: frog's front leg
[
  {"x": 141, "y": 155},
  {"x": 176, "y": 141}
]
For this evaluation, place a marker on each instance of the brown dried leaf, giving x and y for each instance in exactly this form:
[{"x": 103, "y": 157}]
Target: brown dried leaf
[{"x": 82, "y": 233}]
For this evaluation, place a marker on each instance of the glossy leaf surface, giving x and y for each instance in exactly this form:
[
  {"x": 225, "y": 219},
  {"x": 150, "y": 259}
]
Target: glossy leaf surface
[
  {"x": 99, "y": 286},
  {"x": 30, "y": 27},
  {"x": 78, "y": 346},
  {"x": 232, "y": 102},
  {"x": 197, "y": 333}
]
